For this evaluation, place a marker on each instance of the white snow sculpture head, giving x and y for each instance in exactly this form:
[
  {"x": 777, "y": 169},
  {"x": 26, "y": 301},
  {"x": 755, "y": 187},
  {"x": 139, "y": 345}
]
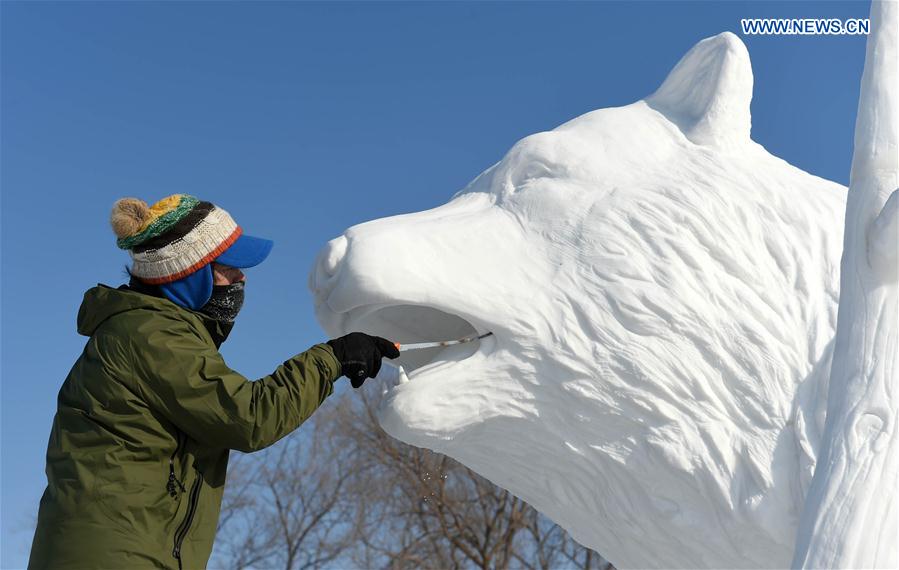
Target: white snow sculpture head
[{"x": 662, "y": 294}]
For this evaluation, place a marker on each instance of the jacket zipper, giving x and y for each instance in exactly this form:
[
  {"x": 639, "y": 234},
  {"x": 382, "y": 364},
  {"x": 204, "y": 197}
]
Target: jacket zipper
[
  {"x": 181, "y": 533},
  {"x": 174, "y": 484}
]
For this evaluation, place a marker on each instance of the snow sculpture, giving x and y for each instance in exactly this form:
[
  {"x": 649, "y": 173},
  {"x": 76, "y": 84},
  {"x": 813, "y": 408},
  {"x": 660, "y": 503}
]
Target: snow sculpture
[
  {"x": 663, "y": 296},
  {"x": 851, "y": 518}
]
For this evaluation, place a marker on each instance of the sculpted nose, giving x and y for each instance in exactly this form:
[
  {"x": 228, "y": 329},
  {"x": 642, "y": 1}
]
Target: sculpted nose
[{"x": 327, "y": 266}]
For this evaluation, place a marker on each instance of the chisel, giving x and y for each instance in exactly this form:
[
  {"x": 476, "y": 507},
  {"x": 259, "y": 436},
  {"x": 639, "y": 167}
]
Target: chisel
[{"x": 419, "y": 345}]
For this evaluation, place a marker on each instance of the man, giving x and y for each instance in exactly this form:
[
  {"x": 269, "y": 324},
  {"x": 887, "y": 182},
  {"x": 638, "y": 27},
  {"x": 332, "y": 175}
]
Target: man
[{"x": 146, "y": 418}]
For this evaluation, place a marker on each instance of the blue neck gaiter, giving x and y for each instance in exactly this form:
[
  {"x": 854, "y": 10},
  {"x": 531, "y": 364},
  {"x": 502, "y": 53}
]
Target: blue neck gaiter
[{"x": 191, "y": 292}]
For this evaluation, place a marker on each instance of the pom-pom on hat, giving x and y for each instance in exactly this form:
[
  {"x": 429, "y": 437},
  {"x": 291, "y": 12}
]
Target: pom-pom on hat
[{"x": 179, "y": 235}]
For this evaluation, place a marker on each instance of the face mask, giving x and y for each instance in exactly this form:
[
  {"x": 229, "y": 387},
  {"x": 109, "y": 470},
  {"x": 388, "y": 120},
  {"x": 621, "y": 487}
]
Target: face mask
[{"x": 225, "y": 302}]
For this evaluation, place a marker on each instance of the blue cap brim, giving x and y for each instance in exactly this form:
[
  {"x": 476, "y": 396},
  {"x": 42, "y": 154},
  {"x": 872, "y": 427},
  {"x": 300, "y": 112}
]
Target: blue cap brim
[{"x": 247, "y": 251}]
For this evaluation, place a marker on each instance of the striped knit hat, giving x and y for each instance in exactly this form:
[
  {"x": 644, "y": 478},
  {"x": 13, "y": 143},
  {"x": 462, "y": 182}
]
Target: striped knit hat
[{"x": 174, "y": 237}]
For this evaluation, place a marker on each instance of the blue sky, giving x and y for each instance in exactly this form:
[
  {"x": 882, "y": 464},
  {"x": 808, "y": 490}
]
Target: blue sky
[{"x": 303, "y": 119}]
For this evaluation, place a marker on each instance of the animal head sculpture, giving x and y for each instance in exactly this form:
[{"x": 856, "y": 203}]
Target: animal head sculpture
[{"x": 662, "y": 294}]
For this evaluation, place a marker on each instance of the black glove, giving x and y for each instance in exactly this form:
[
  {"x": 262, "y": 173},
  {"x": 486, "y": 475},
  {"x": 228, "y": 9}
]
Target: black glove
[{"x": 360, "y": 355}]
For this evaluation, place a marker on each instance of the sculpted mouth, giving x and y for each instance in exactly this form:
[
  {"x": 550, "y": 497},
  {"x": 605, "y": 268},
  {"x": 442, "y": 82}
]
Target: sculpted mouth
[{"x": 418, "y": 323}]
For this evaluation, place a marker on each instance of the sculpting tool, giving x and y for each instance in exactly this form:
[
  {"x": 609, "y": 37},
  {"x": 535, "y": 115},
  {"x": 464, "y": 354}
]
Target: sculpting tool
[{"x": 419, "y": 345}]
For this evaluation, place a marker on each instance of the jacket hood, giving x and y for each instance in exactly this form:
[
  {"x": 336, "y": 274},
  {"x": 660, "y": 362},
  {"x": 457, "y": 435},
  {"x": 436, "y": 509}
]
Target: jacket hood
[{"x": 102, "y": 302}]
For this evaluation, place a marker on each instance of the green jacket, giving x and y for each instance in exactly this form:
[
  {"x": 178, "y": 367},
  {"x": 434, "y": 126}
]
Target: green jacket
[{"x": 145, "y": 420}]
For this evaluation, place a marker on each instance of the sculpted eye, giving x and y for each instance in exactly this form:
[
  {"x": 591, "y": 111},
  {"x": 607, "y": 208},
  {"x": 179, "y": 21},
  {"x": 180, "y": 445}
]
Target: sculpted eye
[
  {"x": 539, "y": 170},
  {"x": 534, "y": 170}
]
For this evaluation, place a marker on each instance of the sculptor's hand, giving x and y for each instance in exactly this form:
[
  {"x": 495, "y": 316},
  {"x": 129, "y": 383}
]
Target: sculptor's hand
[{"x": 360, "y": 355}]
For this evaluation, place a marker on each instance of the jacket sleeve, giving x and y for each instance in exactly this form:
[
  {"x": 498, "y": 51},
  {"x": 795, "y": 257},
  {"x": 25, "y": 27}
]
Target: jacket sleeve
[{"x": 186, "y": 379}]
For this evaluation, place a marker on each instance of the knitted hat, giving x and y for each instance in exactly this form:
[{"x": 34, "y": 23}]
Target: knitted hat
[{"x": 174, "y": 237}]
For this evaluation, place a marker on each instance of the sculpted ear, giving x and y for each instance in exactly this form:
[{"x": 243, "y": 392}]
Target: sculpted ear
[{"x": 707, "y": 94}]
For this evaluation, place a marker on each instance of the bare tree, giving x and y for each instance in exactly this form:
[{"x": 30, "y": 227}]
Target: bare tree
[
  {"x": 442, "y": 514},
  {"x": 548, "y": 547},
  {"x": 344, "y": 494},
  {"x": 287, "y": 507}
]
